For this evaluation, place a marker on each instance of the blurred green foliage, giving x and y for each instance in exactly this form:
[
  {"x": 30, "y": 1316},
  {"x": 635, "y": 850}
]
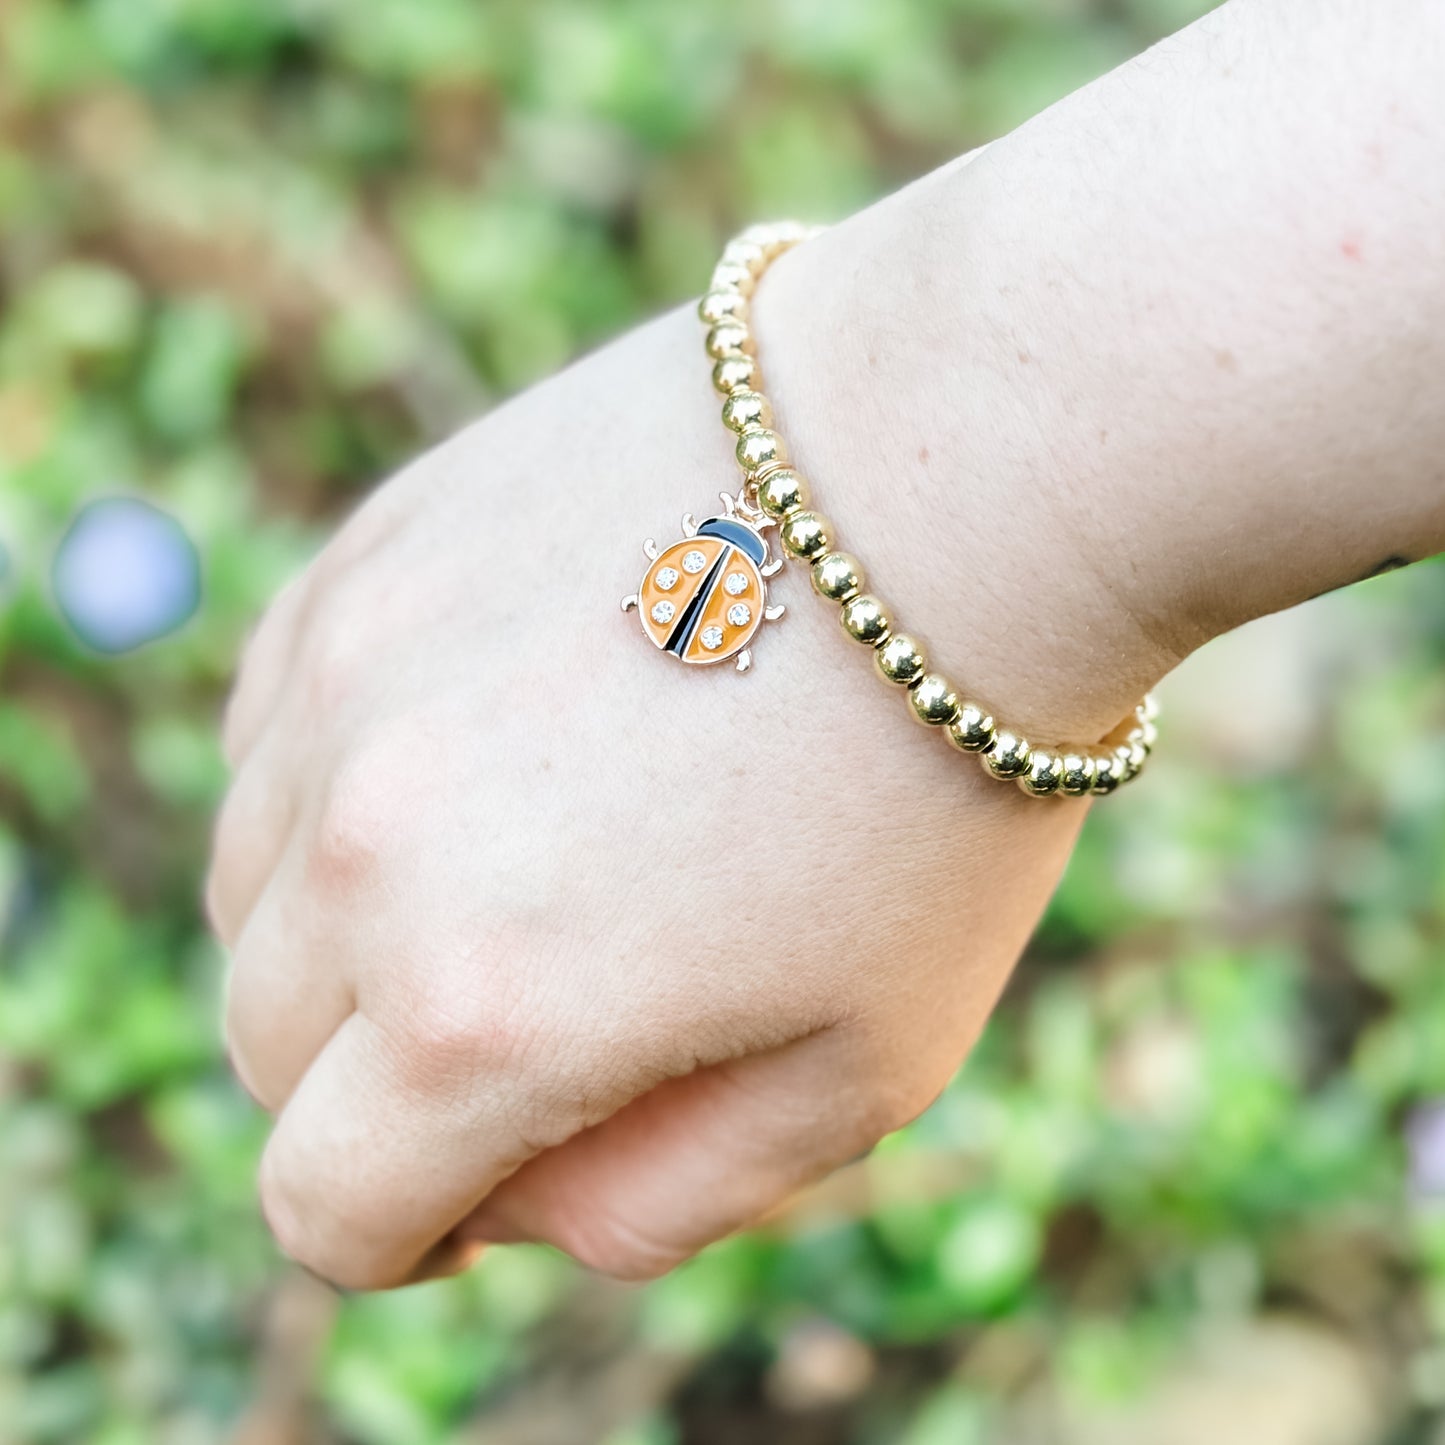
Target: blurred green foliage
[{"x": 253, "y": 254}]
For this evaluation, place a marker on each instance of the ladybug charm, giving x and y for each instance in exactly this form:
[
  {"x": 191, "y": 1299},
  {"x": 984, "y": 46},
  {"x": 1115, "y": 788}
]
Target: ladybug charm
[{"x": 703, "y": 598}]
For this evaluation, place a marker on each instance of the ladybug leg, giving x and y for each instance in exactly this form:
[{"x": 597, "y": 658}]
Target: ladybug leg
[
  {"x": 630, "y": 601},
  {"x": 745, "y": 659},
  {"x": 771, "y": 569},
  {"x": 689, "y": 525},
  {"x": 650, "y": 548},
  {"x": 775, "y": 611}
]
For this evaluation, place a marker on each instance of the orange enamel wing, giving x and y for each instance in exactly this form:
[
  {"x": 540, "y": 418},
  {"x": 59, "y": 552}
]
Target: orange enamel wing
[{"x": 703, "y": 598}]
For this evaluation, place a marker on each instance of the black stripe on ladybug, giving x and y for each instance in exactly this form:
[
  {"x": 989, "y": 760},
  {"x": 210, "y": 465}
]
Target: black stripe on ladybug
[
  {"x": 686, "y": 625},
  {"x": 738, "y": 537}
]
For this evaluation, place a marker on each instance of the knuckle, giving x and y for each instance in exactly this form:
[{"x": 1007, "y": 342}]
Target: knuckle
[
  {"x": 262, "y": 659},
  {"x": 287, "y": 1222},
  {"x": 615, "y": 1247},
  {"x": 245, "y": 1075},
  {"x": 258, "y": 651},
  {"x": 441, "y": 1043},
  {"x": 216, "y": 898},
  {"x": 234, "y": 1028},
  {"x": 214, "y": 902},
  {"x": 377, "y": 521},
  {"x": 493, "y": 1046},
  {"x": 448, "y": 1036},
  {"x": 236, "y": 721},
  {"x": 365, "y": 812},
  {"x": 233, "y": 834},
  {"x": 337, "y": 657},
  {"x": 244, "y": 1027},
  {"x": 321, "y": 1241},
  {"x": 899, "y": 1106},
  {"x": 896, "y": 1085}
]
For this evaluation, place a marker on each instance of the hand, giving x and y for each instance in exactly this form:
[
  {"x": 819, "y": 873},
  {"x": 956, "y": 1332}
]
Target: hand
[{"x": 538, "y": 934}]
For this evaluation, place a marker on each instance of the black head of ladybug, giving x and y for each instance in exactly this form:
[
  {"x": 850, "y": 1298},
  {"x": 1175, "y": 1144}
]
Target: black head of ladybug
[{"x": 736, "y": 531}]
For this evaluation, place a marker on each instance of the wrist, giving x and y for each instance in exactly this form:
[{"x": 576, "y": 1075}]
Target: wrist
[
  {"x": 1139, "y": 372},
  {"x": 970, "y": 528}
]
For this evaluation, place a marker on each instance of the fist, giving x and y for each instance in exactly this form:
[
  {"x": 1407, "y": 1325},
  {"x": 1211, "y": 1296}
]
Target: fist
[{"x": 540, "y": 935}]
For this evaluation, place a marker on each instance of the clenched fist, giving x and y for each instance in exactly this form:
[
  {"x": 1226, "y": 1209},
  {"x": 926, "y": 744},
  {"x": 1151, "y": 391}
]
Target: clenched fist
[{"x": 540, "y": 935}]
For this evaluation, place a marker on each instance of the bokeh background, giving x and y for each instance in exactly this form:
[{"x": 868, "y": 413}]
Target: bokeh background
[{"x": 254, "y": 253}]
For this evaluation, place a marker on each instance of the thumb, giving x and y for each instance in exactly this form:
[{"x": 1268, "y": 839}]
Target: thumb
[{"x": 698, "y": 1157}]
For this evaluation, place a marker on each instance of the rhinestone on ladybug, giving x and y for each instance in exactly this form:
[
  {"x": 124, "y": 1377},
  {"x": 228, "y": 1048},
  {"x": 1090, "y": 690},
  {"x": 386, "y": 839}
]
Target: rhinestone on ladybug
[{"x": 704, "y": 598}]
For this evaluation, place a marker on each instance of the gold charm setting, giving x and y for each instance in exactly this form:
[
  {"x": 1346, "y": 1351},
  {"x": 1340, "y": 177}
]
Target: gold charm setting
[{"x": 703, "y": 598}]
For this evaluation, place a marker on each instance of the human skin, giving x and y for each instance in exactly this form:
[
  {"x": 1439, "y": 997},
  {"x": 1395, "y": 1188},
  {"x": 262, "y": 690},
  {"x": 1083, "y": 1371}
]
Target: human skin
[{"x": 538, "y": 935}]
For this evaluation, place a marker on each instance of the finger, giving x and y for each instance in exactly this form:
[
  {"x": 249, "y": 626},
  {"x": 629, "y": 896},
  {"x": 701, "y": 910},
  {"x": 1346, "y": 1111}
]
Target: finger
[
  {"x": 264, "y": 666},
  {"x": 395, "y": 1134},
  {"x": 250, "y": 835},
  {"x": 287, "y": 993},
  {"x": 697, "y": 1158},
  {"x": 274, "y": 651}
]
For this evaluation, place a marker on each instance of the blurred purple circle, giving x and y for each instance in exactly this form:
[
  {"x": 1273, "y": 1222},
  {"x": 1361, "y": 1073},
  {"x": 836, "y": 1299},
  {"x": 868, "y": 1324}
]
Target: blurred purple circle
[
  {"x": 1425, "y": 1141},
  {"x": 125, "y": 573}
]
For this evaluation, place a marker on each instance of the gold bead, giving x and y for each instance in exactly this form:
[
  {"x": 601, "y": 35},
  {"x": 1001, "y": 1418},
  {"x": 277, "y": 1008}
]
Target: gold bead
[
  {"x": 727, "y": 277},
  {"x": 1145, "y": 734},
  {"x": 1132, "y": 758},
  {"x": 900, "y": 659},
  {"x": 1008, "y": 757},
  {"x": 1079, "y": 774},
  {"x": 1107, "y": 775},
  {"x": 837, "y": 576},
  {"x": 781, "y": 492},
  {"x": 745, "y": 253},
  {"x": 804, "y": 535},
  {"x": 1045, "y": 774},
  {"x": 973, "y": 730},
  {"x": 934, "y": 699},
  {"x": 744, "y": 409},
  {"x": 728, "y": 338},
  {"x": 775, "y": 235},
  {"x": 761, "y": 233},
  {"x": 760, "y": 448},
  {"x": 734, "y": 373},
  {"x": 864, "y": 620},
  {"x": 729, "y": 305}
]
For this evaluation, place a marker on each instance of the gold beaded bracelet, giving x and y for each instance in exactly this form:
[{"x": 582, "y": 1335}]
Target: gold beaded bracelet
[{"x": 703, "y": 599}]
